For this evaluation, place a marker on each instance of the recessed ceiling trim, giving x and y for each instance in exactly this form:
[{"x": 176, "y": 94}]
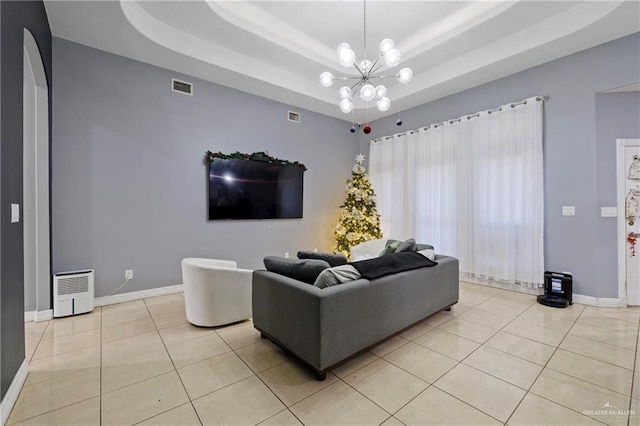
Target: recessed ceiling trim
[
  {"x": 444, "y": 30},
  {"x": 263, "y": 24},
  {"x": 197, "y": 48},
  {"x": 547, "y": 31}
]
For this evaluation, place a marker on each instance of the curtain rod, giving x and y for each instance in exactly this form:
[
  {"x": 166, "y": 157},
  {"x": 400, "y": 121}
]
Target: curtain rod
[{"x": 468, "y": 117}]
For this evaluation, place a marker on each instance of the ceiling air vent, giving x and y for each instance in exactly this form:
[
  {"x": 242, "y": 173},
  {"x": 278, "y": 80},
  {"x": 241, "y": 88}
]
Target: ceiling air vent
[
  {"x": 293, "y": 116},
  {"x": 182, "y": 86}
]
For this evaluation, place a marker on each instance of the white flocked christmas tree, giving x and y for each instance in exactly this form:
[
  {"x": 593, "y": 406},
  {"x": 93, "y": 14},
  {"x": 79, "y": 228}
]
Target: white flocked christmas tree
[{"x": 359, "y": 220}]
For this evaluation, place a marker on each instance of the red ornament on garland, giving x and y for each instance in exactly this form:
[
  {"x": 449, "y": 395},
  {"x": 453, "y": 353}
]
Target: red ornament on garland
[
  {"x": 366, "y": 129},
  {"x": 631, "y": 239}
]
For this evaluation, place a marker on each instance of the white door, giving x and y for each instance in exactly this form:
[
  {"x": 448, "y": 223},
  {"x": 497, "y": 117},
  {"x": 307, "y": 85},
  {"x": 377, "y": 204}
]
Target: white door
[{"x": 629, "y": 217}]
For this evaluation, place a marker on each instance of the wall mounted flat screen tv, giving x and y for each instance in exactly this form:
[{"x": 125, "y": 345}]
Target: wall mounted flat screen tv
[{"x": 250, "y": 189}]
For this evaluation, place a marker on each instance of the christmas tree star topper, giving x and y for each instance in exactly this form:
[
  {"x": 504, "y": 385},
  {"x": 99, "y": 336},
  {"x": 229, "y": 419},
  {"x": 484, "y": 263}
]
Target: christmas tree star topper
[{"x": 359, "y": 158}]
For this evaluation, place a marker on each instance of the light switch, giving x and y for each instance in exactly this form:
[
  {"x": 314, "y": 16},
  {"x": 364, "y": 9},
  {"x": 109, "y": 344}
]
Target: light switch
[
  {"x": 568, "y": 210},
  {"x": 15, "y": 213},
  {"x": 608, "y": 212}
]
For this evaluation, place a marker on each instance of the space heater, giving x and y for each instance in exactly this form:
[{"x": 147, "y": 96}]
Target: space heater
[{"x": 72, "y": 293}]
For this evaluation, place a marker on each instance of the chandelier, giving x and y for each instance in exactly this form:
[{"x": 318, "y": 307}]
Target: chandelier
[{"x": 388, "y": 56}]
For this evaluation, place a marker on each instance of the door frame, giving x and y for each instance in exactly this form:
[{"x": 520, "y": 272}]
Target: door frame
[
  {"x": 40, "y": 258},
  {"x": 621, "y": 144}
]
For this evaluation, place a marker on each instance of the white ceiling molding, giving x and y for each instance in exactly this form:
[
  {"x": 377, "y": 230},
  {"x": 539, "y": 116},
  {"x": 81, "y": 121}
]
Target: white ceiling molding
[
  {"x": 277, "y": 49},
  {"x": 462, "y": 20},
  {"x": 254, "y": 19},
  {"x": 195, "y": 47},
  {"x": 635, "y": 87}
]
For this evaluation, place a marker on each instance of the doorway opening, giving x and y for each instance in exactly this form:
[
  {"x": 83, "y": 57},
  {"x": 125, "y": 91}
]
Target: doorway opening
[{"x": 35, "y": 207}]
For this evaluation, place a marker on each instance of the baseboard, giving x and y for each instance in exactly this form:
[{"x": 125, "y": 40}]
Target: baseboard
[
  {"x": 504, "y": 286},
  {"x": 137, "y": 295},
  {"x": 37, "y": 316},
  {"x": 600, "y": 302},
  {"x": 10, "y": 398}
]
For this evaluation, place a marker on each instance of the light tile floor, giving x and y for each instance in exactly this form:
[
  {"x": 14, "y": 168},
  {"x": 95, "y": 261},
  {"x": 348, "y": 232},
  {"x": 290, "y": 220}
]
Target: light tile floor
[{"x": 497, "y": 358}]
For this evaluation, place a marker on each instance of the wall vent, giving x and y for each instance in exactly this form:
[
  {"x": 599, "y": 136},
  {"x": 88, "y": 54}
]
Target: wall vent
[
  {"x": 182, "y": 86},
  {"x": 293, "y": 116}
]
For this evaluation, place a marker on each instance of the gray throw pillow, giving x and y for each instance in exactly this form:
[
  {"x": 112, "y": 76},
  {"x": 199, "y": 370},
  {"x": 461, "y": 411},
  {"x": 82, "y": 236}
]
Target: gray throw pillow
[
  {"x": 409, "y": 245},
  {"x": 420, "y": 247},
  {"x": 306, "y": 270},
  {"x": 336, "y": 275},
  {"x": 333, "y": 259}
]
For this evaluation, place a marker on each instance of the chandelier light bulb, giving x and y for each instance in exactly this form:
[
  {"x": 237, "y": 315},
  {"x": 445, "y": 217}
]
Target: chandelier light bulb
[
  {"x": 404, "y": 75},
  {"x": 386, "y": 45},
  {"x": 392, "y": 58},
  {"x": 344, "y": 92},
  {"x": 383, "y": 104},
  {"x": 326, "y": 79},
  {"x": 346, "y": 105},
  {"x": 381, "y": 91},
  {"x": 342, "y": 46},
  {"x": 367, "y": 92},
  {"x": 346, "y": 56},
  {"x": 365, "y": 65}
]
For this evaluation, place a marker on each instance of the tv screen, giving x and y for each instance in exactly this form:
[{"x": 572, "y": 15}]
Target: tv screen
[{"x": 249, "y": 189}]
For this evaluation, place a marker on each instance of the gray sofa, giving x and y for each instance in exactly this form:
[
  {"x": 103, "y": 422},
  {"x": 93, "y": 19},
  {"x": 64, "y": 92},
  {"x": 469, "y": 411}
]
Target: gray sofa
[{"x": 324, "y": 327}]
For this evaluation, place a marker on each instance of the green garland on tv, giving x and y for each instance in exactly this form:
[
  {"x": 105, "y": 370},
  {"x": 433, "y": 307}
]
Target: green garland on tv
[{"x": 260, "y": 156}]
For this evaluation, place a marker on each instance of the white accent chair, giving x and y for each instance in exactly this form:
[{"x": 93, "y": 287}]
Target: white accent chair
[{"x": 216, "y": 292}]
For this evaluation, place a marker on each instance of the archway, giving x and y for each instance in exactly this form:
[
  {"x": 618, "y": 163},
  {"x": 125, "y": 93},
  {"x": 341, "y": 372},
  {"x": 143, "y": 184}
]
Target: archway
[{"x": 35, "y": 208}]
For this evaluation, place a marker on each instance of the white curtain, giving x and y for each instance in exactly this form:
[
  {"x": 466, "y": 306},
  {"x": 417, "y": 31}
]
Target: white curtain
[{"x": 471, "y": 187}]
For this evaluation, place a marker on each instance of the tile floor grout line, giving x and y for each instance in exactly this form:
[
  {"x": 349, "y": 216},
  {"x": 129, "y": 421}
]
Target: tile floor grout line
[
  {"x": 584, "y": 314},
  {"x": 491, "y": 375},
  {"x": 365, "y": 396},
  {"x": 100, "y": 389},
  {"x": 633, "y": 373},
  {"x": 255, "y": 374},
  {"x": 175, "y": 369},
  {"x": 467, "y": 403},
  {"x": 542, "y": 370}
]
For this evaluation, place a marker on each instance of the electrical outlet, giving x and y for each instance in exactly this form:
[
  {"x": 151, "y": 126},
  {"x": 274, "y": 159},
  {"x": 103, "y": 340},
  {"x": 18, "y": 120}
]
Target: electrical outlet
[
  {"x": 128, "y": 274},
  {"x": 286, "y": 254},
  {"x": 568, "y": 210}
]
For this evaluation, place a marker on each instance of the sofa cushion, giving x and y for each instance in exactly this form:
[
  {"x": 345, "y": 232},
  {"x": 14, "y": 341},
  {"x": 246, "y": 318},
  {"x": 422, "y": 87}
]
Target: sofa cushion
[
  {"x": 306, "y": 270},
  {"x": 333, "y": 259},
  {"x": 408, "y": 245},
  {"x": 336, "y": 275}
]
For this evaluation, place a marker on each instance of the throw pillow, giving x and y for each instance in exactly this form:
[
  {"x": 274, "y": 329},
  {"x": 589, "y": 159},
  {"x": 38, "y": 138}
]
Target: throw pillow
[
  {"x": 391, "y": 247},
  {"x": 336, "y": 275},
  {"x": 333, "y": 259},
  {"x": 409, "y": 245},
  {"x": 428, "y": 253},
  {"x": 306, "y": 270},
  {"x": 420, "y": 247}
]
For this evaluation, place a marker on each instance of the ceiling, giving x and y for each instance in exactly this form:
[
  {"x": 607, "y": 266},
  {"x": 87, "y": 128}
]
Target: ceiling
[{"x": 277, "y": 49}]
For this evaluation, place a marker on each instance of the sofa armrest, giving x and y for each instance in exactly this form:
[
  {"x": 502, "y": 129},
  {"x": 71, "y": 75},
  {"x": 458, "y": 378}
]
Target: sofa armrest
[{"x": 289, "y": 311}]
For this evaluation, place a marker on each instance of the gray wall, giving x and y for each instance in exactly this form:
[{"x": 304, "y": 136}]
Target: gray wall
[
  {"x": 617, "y": 116},
  {"x": 130, "y": 185},
  {"x": 569, "y": 147},
  {"x": 14, "y": 17}
]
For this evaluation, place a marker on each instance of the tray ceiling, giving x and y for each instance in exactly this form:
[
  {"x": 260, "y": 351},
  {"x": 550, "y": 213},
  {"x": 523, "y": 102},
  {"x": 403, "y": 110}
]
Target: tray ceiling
[{"x": 277, "y": 49}]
